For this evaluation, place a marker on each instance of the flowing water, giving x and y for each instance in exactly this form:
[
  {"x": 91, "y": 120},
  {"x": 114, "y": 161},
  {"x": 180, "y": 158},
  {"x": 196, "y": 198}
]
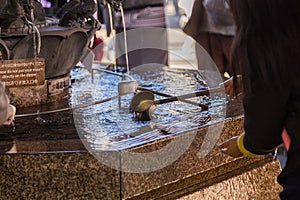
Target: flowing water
[
  {"x": 107, "y": 127},
  {"x": 111, "y": 125}
]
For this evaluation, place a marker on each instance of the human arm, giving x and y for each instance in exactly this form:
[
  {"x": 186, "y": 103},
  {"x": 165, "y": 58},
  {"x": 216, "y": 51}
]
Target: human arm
[
  {"x": 230, "y": 88},
  {"x": 194, "y": 23},
  {"x": 11, "y": 115},
  {"x": 7, "y": 111},
  {"x": 235, "y": 147},
  {"x": 263, "y": 122},
  {"x": 265, "y": 112}
]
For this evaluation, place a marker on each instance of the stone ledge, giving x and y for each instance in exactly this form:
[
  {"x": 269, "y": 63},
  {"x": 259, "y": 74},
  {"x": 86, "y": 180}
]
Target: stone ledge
[
  {"x": 57, "y": 172},
  {"x": 190, "y": 171},
  {"x": 257, "y": 183}
]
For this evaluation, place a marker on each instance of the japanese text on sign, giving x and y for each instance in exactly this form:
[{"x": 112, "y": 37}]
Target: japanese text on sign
[{"x": 22, "y": 72}]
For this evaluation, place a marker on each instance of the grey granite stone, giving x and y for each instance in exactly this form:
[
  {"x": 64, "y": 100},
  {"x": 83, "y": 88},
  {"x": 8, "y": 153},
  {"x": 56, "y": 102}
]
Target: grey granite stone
[
  {"x": 257, "y": 183},
  {"x": 54, "y": 164},
  {"x": 190, "y": 169},
  {"x": 56, "y": 176}
]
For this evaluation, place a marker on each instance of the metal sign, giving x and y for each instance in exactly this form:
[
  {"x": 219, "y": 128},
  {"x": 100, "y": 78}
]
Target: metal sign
[
  {"x": 57, "y": 86},
  {"x": 22, "y": 72}
]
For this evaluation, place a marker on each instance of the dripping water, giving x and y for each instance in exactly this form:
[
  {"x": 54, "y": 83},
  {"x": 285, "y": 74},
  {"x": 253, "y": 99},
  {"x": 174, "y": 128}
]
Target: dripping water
[
  {"x": 36, "y": 50},
  {"x": 112, "y": 31},
  {"x": 125, "y": 38}
]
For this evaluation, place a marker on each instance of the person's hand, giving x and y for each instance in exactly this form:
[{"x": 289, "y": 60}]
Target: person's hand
[
  {"x": 228, "y": 86},
  {"x": 231, "y": 148},
  {"x": 11, "y": 115}
]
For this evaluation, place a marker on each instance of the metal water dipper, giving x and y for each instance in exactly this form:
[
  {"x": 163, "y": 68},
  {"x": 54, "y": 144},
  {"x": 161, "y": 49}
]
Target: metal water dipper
[{"x": 143, "y": 103}]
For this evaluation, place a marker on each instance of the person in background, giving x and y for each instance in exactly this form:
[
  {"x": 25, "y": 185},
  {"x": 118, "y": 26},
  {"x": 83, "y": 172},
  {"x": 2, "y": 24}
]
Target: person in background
[
  {"x": 212, "y": 26},
  {"x": 140, "y": 15},
  {"x": 176, "y": 7},
  {"x": 266, "y": 49},
  {"x": 7, "y": 111}
]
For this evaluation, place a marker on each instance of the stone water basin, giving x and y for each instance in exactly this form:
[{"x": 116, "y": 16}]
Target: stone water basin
[
  {"x": 102, "y": 152},
  {"x": 110, "y": 127}
]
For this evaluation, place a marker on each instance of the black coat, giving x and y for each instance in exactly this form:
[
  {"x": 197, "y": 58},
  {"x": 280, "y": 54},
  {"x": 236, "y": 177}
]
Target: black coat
[{"x": 270, "y": 109}]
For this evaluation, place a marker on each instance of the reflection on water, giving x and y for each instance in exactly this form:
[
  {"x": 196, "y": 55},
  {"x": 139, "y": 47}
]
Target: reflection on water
[{"x": 106, "y": 127}]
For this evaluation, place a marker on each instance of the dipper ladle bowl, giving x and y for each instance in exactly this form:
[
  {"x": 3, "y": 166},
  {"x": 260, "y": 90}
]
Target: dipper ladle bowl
[{"x": 142, "y": 101}]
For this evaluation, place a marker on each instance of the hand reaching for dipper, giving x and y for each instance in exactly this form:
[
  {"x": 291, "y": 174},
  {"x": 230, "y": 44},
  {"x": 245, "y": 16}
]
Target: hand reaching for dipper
[{"x": 229, "y": 86}]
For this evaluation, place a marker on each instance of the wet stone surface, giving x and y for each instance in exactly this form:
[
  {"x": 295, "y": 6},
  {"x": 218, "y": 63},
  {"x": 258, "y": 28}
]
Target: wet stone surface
[
  {"x": 107, "y": 121},
  {"x": 43, "y": 144},
  {"x": 112, "y": 122}
]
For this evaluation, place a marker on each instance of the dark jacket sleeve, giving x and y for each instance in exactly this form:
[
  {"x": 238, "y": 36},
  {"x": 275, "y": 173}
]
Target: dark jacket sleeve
[
  {"x": 192, "y": 28},
  {"x": 265, "y": 112}
]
